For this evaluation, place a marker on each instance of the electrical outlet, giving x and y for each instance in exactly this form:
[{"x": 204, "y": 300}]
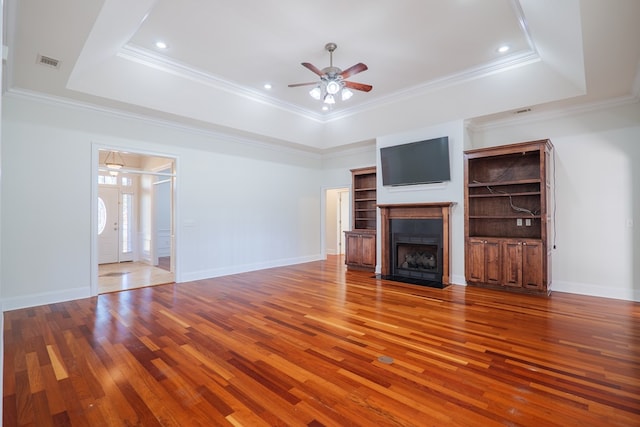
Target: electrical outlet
[
  {"x": 519, "y": 222},
  {"x": 527, "y": 222}
]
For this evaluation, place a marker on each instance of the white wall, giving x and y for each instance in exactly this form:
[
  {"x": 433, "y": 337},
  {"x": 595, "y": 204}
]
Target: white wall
[
  {"x": 241, "y": 206},
  {"x": 246, "y": 206},
  {"x": 597, "y": 154},
  {"x": 452, "y": 191},
  {"x": 336, "y": 166}
]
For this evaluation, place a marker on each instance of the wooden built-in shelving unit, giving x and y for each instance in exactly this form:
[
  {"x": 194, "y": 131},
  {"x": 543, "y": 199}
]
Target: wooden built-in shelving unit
[
  {"x": 507, "y": 221},
  {"x": 360, "y": 242}
]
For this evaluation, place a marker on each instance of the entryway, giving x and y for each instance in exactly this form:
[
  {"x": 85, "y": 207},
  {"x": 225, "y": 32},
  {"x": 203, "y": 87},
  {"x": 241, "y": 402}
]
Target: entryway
[
  {"x": 135, "y": 237},
  {"x": 337, "y": 202}
]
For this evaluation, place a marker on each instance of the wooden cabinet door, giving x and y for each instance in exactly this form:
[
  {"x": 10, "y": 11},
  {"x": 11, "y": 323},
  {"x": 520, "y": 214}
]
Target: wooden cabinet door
[
  {"x": 532, "y": 273},
  {"x": 483, "y": 261},
  {"x": 353, "y": 252},
  {"x": 368, "y": 250},
  {"x": 360, "y": 250},
  {"x": 512, "y": 263},
  {"x": 492, "y": 262},
  {"x": 475, "y": 260}
]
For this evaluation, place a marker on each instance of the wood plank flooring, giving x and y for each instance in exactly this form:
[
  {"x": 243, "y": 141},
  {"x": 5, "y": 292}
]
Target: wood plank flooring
[{"x": 300, "y": 346}]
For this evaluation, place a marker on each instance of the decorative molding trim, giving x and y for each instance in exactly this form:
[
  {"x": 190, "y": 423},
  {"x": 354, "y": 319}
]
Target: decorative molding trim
[
  {"x": 311, "y": 152},
  {"x": 152, "y": 59},
  {"x": 593, "y": 290},
  {"x": 557, "y": 113},
  {"x": 514, "y": 61},
  {"x": 218, "y": 272},
  {"x": 44, "y": 298},
  {"x": 457, "y": 279},
  {"x": 348, "y": 150}
]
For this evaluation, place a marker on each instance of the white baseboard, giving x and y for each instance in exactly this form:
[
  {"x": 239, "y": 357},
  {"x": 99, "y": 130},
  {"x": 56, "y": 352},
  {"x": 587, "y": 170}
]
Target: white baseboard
[
  {"x": 458, "y": 280},
  {"x": 580, "y": 289},
  {"x": 1, "y": 358},
  {"x": 629, "y": 294},
  {"x": 236, "y": 269},
  {"x": 45, "y": 298}
]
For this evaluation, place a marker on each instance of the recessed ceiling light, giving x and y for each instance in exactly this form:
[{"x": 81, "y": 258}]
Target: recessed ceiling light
[
  {"x": 161, "y": 45},
  {"x": 503, "y": 49},
  {"x": 325, "y": 107},
  {"x": 267, "y": 86}
]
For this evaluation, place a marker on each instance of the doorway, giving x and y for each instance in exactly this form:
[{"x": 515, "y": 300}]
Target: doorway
[
  {"x": 337, "y": 202},
  {"x": 162, "y": 220},
  {"x": 130, "y": 252}
]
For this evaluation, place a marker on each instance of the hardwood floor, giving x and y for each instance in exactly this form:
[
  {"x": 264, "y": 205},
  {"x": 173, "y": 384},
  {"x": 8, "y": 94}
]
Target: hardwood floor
[{"x": 305, "y": 346}]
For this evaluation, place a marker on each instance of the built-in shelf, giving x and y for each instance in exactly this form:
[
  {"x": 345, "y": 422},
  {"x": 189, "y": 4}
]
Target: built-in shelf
[
  {"x": 507, "y": 224},
  {"x": 360, "y": 242}
]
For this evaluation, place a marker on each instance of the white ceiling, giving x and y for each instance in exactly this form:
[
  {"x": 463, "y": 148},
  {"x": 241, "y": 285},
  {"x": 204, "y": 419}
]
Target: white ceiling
[{"x": 429, "y": 61}]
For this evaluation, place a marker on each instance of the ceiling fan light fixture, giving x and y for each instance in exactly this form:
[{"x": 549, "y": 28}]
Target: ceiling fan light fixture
[
  {"x": 316, "y": 93},
  {"x": 333, "y": 81},
  {"x": 333, "y": 87}
]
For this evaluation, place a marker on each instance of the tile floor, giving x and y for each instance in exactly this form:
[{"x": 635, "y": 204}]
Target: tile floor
[{"x": 130, "y": 275}]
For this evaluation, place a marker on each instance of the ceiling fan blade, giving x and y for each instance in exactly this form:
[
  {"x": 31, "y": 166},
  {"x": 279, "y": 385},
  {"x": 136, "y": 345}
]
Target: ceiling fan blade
[
  {"x": 303, "y": 84},
  {"x": 354, "y": 69},
  {"x": 358, "y": 86},
  {"x": 313, "y": 68}
]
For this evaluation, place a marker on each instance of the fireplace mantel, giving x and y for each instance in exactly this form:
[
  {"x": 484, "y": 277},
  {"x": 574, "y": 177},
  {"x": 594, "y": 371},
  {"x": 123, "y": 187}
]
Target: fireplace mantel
[{"x": 415, "y": 211}]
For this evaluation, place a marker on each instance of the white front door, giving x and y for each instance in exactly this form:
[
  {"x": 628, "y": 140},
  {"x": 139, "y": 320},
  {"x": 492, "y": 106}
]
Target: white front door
[{"x": 108, "y": 225}]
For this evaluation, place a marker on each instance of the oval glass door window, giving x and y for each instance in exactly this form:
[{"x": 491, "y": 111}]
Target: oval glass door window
[{"x": 102, "y": 215}]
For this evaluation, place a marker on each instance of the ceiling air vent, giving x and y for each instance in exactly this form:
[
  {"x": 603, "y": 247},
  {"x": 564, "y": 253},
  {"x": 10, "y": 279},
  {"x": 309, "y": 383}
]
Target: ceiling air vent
[{"x": 48, "y": 61}]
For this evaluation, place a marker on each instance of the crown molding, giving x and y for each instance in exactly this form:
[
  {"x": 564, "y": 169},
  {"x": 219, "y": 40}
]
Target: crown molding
[
  {"x": 152, "y": 59},
  {"x": 309, "y": 152},
  {"x": 363, "y": 147},
  {"x": 505, "y": 64},
  {"x": 556, "y": 113}
]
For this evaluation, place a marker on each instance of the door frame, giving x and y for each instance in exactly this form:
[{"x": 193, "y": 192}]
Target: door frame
[
  {"x": 344, "y": 218},
  {"x": 325, "y": 193},
  {"x": 95, "y": 165},
  {"x": 154, "y": 216}
]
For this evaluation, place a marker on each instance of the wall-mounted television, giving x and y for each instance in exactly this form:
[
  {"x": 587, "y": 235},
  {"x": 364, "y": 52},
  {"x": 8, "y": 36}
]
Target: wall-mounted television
[{"x": 420, "y": 162}]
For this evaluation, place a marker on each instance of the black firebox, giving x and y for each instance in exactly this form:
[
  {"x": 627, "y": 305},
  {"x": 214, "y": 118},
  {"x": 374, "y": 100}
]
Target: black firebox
[{"x": 416, "y": 251}]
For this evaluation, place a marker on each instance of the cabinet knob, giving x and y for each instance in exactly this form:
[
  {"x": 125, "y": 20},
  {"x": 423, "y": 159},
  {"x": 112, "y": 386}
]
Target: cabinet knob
[{"x": 524, "y": 244}]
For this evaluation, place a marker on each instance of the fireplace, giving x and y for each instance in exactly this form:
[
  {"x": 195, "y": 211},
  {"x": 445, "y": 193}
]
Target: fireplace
[
  {"x": 415, "y": 243},
  {"x": 416, "y": 246}
]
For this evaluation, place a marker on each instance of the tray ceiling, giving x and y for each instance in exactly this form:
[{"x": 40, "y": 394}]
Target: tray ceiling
[{"x": 429, "y": 61}]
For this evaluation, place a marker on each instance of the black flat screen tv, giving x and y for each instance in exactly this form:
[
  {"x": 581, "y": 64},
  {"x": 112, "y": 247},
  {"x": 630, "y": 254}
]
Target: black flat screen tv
[{"x": 420, "y": 162}]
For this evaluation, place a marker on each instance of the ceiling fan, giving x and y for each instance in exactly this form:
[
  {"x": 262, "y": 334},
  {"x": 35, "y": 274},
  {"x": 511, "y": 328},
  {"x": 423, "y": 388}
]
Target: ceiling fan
[{"x": 333, "y": 80}]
